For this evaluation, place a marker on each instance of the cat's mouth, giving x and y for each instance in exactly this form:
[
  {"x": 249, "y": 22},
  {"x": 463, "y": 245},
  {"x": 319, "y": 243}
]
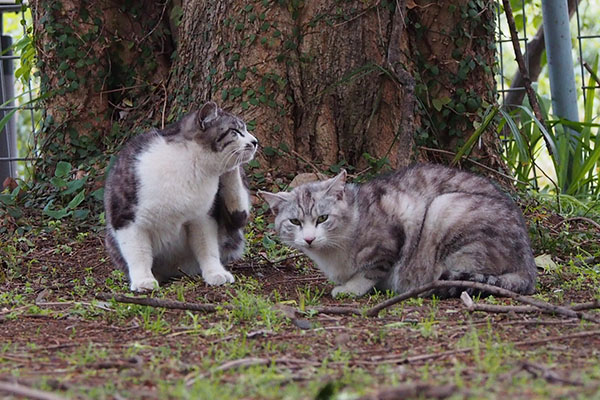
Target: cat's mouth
[{"x": 248, "y": 153}]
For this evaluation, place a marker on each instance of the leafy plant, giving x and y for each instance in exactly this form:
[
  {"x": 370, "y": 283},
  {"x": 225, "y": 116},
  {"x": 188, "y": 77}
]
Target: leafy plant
[{"x": 572, "y": 147}]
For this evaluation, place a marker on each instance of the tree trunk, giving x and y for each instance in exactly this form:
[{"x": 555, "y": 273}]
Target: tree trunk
[
  {"x": 322, "y": 83},
  {"x": 98, "y": 62}
]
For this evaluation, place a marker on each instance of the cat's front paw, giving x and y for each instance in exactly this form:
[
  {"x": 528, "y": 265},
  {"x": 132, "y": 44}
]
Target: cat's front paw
[
  {"x": 217, "y": 278},
  {"x": 343, "y": 290},
  {"x": 144, "y": 285}
]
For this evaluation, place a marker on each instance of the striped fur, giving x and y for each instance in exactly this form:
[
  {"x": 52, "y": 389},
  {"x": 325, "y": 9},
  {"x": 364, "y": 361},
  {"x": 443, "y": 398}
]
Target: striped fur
[{"x": 405, "y": 229}]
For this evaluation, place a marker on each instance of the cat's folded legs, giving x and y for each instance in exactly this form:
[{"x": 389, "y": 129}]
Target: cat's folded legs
[
  {"x": 203, "y": 234},
  {"x": 358, "y": 285},
  {"x": 136, "y": 249}
]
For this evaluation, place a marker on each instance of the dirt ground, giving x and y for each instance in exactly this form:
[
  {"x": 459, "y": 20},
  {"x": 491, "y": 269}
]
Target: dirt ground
[{"x": 58, "y": 338}]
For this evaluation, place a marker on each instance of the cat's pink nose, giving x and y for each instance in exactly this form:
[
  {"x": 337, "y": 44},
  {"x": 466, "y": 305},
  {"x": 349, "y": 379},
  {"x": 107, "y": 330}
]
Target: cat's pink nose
[{"x": 309, "y": 240}]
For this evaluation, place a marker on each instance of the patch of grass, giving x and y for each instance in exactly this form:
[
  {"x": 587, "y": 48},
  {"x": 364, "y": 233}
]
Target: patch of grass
[
  {"x": 255, "y": 310},
  {"x": 309, "y": 296}
]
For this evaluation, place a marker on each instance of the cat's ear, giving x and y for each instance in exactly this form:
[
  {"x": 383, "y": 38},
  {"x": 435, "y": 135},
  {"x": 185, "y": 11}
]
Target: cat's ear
[
  {"x": 274, "y": 199},
  {"x": 335, "y": 185},
  {"x": 207, "y": 113}
]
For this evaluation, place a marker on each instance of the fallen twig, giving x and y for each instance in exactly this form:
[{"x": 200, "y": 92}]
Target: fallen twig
[
  {"x": 490, "y": 289},
  {"x": 494, "y": 308},
  {"x": 27, "y": 392},
  {"x": 243, "y": 362},
  {"x": 336, "y": 310},
  {"x": 133, "y": 362},
  {"x": 575, "y": 335},
  {"x": 472, "y": 306},
  {"x": 164, "y": 303},
  {"x": 591, "y": 305},
  {"x": 394, "y": 359},
  {"x": 547, "y": 374},
  {"x": 419, "y": 390}
]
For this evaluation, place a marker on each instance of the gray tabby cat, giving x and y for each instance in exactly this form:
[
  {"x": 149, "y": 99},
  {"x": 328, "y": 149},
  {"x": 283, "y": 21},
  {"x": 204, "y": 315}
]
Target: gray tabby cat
[
  {"x": 176, "y": 201},
  {"x": 406, "y": 229}
]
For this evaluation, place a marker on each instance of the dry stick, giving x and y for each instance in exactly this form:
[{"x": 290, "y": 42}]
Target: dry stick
[
  {"x": 547, "y": 374},
  {"x": 494, "y": 308},
  {"x": 336, "y": 310},
  {"x": 493, "y": 290},
  {"x": 522, "y": 69},
  {"x": 180, "y": 305},
  {"x": 586, "y": 306},
  {"x": 164, "y": 303},
  {"x": 27, "y": 392},
  {"x": 431, "y": 356}
]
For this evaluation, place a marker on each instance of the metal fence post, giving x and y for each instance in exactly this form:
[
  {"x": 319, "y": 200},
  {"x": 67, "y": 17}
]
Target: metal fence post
[
  {"x": 560, "y": 60},
  {"x": 8, "y": 133}
]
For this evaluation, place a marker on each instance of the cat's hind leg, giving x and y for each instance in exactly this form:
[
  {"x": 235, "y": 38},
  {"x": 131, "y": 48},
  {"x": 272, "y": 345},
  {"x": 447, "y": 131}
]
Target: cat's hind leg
[
  {"x": 203, "y": 239},
  {"x": 136, "y": 249}
]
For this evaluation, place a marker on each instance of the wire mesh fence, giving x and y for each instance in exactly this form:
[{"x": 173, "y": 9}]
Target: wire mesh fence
[
  {"x": 528, "y": 16},
  {"x": 17, "y": 136},
  {"x": 17, "y": 108}
]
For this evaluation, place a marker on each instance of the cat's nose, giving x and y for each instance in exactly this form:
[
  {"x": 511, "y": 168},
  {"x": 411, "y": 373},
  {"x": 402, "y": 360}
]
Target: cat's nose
[
  {"x": 254, "y": 142},
  {"x": 309, "y": 240}
]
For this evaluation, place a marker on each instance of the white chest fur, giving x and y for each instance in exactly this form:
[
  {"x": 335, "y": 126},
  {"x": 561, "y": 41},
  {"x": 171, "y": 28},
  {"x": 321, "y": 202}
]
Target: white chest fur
[
  {"x": 336, "y": 264},
  {"x": 177, "y": 183}
]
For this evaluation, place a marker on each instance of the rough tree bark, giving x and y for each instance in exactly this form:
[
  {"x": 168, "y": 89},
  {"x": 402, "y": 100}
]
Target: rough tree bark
[{"x": 321, "y": 82}]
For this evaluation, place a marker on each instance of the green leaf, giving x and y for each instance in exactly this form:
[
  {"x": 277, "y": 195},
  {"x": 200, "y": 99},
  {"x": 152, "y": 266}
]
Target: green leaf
[
  {"x": 439, "y": 103},
  {"x": 98, "y": 194},
  {"x": 7, "y": 199},
  {"x": 56, "y": 214},
  {"x": 77, "y": 200},
  {"x": 58, "y": 183},
  {"x": 62, "y": 169},
  {"x": 268, "y": 242},
  {"x": 236, "y": 92},
  {"x": 74, "y": 186},
  {"x": 466, "y": 148},
  {"x": 284, "y": 147},
  {"x": 81, "y": 214},
  {"x": 14, "y": 212},
  {"x": 269, "y": 151}
]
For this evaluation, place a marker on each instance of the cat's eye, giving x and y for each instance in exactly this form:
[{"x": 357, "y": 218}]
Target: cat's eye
[
  {"x": 295, "y": 221},
  {"x": 322, "y": 219},
  {"x": 233, "y": 130}
]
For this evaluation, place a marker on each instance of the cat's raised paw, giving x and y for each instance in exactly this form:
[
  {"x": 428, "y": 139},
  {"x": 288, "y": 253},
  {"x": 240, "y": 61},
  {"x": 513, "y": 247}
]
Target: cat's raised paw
[
  {"x": 218, "y": 278},
  {"x": 144, "y": 285}
]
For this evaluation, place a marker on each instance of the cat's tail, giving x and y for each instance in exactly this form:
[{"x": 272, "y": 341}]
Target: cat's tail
[{"x": 515, "y": 282}]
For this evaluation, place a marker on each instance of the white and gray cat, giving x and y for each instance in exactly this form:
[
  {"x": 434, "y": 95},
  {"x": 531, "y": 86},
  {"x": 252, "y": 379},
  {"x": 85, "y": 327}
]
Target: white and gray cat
[
  {"x": 176, "y": 201},
  {"x": 406, "y": 229}
]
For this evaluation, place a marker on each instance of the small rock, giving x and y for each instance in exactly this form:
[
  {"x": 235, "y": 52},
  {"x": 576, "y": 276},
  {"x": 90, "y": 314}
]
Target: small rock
[{"x": 306, "y": 177}]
